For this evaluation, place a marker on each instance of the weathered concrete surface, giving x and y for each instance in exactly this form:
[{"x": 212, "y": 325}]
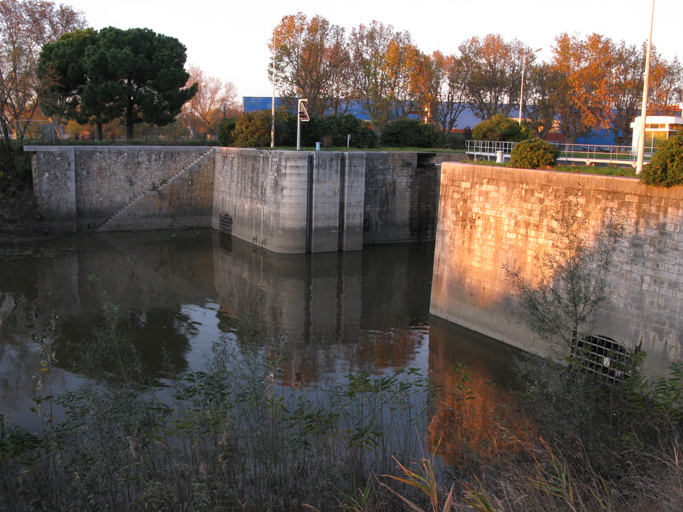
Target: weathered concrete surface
[
  {"x": 401, "y": 197},
  {"x": 295, "y": 202},
  {"x": 262, "y": 197},
  {"x": 285, "y": 201},
  {"x": 81, "y": 187},
  {"x": 183, "y": 201},
  {"x": 351, "y": 205},
  {"x": 491, "y": 218},
  {"x": 54, "y": 183}
]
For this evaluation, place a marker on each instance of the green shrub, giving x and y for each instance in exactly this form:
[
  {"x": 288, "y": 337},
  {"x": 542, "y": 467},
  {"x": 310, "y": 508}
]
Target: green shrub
[
  {"x": 534, "y": 154},
  {"x": 501, "y": 128},
  {"x": 411, "y": 133},
  {"x": 336, "y": 129},
  {"x": 226, "y": 131},
  {"x": 666, "y": 167}
]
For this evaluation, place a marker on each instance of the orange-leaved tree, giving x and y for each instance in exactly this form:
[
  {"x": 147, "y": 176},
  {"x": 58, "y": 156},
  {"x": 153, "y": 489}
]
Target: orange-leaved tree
[
  {"x": 493, "y": 68},
  {"x": 311, "y": 59}
]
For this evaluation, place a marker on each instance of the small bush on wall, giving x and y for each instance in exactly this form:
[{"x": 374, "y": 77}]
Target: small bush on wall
[
  {"x": 666, "y": 167},
  {"x": 534, "y": 154}
]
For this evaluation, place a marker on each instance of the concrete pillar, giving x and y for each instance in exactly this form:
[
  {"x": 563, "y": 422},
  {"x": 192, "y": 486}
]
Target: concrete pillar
[{"x": 352, "y": 203}]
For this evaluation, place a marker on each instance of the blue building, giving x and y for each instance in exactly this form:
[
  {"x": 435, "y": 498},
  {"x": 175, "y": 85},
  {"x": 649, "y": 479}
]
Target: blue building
[{"x": 467, "y": 118}]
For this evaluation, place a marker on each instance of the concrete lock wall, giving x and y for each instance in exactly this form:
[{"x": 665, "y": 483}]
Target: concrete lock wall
[
  {"x": 284, "y": 201},
  {"x": 122, "y": 187},
  {"x": 493, "y": 218},
  {"x": 295, "y": 202}
]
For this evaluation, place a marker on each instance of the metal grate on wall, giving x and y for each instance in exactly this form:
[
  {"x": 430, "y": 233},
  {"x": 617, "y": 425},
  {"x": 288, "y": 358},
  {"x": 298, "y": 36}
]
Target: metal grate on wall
[
  {"x": 225, "y": 224},
  {"x": 604, "y": 358}
]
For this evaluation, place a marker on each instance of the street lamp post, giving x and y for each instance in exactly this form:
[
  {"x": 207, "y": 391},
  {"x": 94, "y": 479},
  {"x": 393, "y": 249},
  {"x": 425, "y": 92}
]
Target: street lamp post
[
  {"x": 643, "y": 112},
  {"x": 272, "y": 105},
  {"x": 521, "y": 92},
  {"x": 189, "y": 111}
]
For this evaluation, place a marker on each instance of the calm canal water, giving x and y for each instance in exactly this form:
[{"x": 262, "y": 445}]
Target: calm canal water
[{"x": 365, "y": 310}]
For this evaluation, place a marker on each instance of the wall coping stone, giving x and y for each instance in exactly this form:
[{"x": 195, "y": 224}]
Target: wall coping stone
[{"x": 174, "y": 149}]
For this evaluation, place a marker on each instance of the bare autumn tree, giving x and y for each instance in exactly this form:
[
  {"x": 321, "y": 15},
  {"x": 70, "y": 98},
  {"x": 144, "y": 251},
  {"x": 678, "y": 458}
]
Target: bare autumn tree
[
  {"x": 412, "y": 73},
  {"x": 310, "y": 56},
  {"x": 381, "y": 62},
  {"x": 625, "y": 89},
  {"x": 540, "y": 107},
  {"x": 450, "y": 80},
  {"x": 603, "y": 84},
  {"x": 25, "y": 26},
  {"x": 666, "y": 93},
  {"x": 214, "y": 100},
  {"x": 494, "y": 71},
  {"x": 341, "y": 90}
]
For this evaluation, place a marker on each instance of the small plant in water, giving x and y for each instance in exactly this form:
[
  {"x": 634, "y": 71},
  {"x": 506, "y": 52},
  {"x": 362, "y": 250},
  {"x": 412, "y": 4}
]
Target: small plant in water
[{"x": 424, "y": 479}]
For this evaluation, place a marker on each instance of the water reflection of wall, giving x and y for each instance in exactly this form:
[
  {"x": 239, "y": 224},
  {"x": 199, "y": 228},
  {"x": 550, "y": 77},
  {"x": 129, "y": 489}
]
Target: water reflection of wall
[
  {"x": 149, "y": 275},
  {"x": 474, "y": 412},
  {"x": 346, "y": 309}
]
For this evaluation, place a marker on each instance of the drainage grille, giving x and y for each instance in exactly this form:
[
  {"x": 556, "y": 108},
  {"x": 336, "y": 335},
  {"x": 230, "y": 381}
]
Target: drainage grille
[
  {"x": 225, "y": 224},
  {"x": 604, "y": 358}
]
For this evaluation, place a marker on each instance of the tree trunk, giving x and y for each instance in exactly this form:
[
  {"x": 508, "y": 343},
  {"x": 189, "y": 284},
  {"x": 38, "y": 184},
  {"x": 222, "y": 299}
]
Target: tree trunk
[
  {"x": 130, "y": 126},
  {"x": 99, "y": 132}
]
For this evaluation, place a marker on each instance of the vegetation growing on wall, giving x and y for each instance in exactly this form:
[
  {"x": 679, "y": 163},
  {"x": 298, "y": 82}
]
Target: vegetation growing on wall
[{"x": 570, "y": 278}]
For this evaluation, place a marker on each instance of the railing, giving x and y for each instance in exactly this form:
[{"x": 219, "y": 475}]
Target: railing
[
  {"x": 591, "y": 153},
  {"x": 576, "y": 153},
  {"x": 489, "y": 148}
]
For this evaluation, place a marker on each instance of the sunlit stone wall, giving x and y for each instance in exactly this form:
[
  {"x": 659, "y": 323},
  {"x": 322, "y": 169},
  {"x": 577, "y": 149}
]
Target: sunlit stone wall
[{"x": 492, "y": 218}]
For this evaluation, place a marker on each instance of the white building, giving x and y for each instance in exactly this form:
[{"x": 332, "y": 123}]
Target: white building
[{"x": 657, "y": 129}]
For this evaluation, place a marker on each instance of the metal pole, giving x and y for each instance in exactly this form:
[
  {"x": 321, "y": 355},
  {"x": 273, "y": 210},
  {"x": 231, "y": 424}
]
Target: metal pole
[
  {"x": 521, "y": 92},
  {"x": 272, "y": 105},
  {"x": 646, "y": 81},
  {"x": 298, "y": 130}
]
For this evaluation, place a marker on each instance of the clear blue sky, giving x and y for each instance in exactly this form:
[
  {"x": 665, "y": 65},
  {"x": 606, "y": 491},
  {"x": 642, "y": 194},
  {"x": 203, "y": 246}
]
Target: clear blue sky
[{"x": 228, "y": 39}]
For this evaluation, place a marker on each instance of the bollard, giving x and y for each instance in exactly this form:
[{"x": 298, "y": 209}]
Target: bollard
[
  {"x": 499, "y": 157},
  {"x": 317, "y": 146}
]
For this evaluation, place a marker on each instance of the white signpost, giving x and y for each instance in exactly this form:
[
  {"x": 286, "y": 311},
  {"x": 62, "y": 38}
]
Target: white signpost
[{"x": 302, "y": 115}]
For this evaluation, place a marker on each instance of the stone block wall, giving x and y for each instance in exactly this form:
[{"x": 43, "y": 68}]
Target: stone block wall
[
  {"x": 81, "y": 187},
  {"x": 183, "y": 201},
  {"x": 493, "y": 218},
  {"x": 54, "y": 184}
]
